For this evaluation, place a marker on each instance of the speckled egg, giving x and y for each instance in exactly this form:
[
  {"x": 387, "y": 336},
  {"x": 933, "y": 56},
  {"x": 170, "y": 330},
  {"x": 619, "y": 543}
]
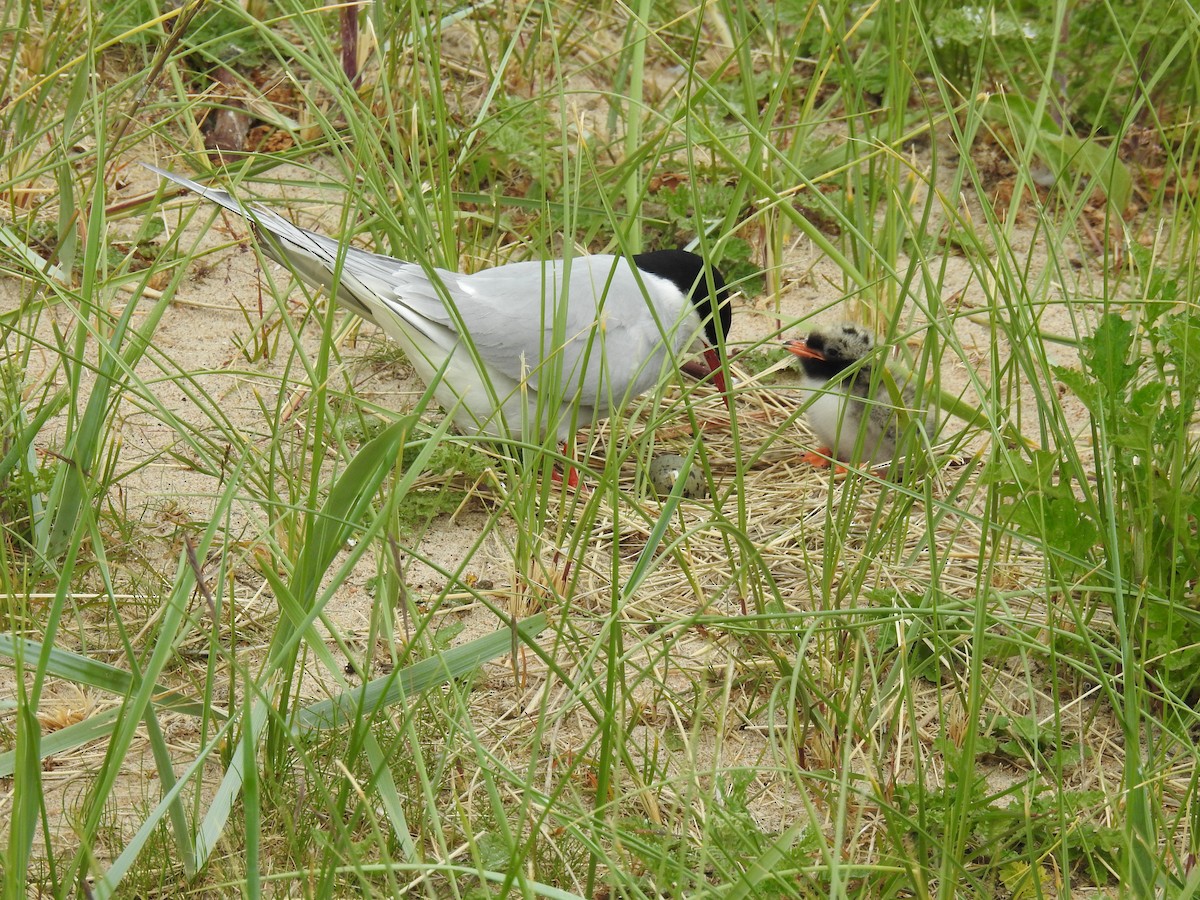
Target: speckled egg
[{"x": 665, "y": 471}]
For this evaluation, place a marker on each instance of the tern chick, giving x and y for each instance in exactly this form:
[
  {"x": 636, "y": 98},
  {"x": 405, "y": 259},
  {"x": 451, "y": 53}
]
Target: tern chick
[{"x": 845, "y": 395}]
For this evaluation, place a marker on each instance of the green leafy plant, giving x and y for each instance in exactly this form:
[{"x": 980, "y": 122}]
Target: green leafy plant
[
  {"x": 1042, "y": 495},
  {"x": 1141, "y": 385},
  {"x": 1140, "y": 382}
]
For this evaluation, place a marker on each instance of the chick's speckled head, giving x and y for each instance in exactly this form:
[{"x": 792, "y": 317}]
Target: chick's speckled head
[{"x": 827, "y": 352}]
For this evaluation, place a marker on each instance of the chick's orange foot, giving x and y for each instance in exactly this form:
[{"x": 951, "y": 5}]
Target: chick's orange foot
[
  {"x": 822, "y": 459},
  {"x": 818, "y": 459}
]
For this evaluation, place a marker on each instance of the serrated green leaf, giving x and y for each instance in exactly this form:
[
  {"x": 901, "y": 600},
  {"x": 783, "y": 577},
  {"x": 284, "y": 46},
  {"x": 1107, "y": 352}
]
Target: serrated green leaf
[
  {"x": 1082, "y": 387},
  {"x": 1106, "y": 354}
]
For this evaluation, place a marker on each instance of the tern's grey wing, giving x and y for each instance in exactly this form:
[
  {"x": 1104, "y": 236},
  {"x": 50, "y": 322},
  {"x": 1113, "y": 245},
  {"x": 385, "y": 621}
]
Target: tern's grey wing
[
  {"x": 607, "y": 327},
  {"x": 590, "y": 314}
]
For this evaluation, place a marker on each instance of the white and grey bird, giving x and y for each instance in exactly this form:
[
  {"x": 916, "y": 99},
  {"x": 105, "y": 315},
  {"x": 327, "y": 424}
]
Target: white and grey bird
[
  {"x": 845, "y": 395},
  {"x": 523, "y": 349}
]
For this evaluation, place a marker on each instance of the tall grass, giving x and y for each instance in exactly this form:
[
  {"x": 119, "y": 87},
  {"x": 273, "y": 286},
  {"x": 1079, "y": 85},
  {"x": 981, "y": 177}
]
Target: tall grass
[{"x": 970, "y": 677}]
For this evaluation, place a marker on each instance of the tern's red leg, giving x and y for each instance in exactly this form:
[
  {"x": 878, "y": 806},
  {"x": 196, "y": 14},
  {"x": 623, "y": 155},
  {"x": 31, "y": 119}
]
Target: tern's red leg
[{"x": 572, "y": 476}]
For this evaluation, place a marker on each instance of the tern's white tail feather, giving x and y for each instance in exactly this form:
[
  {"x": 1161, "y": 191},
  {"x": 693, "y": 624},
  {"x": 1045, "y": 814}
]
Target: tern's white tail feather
[{"x": 312, "y": 256}]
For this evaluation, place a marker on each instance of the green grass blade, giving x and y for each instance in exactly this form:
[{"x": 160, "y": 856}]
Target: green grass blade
[
  {"x": 400, "y": 686},
  {"x": 81, "y": 670},
  {"x": 107, "y": 884},
  {"x": 216, "y": 817},
  {"x": 27, "y": 801}
]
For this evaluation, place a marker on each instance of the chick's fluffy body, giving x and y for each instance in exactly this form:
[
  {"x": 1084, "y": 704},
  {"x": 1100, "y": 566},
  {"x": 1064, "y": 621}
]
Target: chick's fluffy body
[{"x": 850, "y": 406}]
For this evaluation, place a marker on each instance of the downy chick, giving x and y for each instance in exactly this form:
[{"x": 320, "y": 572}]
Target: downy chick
[{"x": 836, "y": 363}]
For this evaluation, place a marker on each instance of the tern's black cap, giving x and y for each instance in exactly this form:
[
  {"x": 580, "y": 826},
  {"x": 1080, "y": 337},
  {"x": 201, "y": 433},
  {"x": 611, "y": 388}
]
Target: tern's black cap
[{"x": 687, "y": 271}]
